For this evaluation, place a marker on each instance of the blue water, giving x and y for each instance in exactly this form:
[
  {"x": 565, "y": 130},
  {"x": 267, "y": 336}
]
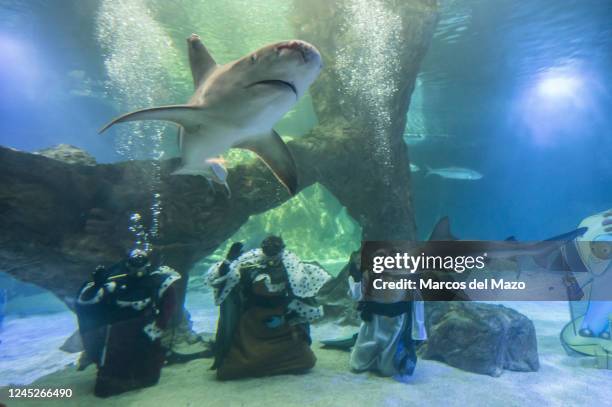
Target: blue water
[
  {"x": 525, "y": 91},
  {"x": 51, "y": 76},
  {"x": 522, "y": 87}
]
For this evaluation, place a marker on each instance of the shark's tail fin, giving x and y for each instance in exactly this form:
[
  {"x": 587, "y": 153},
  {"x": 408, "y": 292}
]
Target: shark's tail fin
[{"x": 428, "y": 170}]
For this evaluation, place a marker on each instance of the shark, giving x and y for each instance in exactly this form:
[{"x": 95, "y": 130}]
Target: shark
[
  {"x": 509, "y": 248},
  {"x": 236, "y": 105}
]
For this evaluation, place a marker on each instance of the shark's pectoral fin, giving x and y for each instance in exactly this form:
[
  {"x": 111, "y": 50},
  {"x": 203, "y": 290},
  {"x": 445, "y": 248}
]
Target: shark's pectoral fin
[
  {"x": 184, "y": 115},
  {"x": 274, "y": 153}
]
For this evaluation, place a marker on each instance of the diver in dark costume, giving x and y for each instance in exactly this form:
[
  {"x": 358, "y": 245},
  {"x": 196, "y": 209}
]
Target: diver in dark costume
[
  {"x": 267, "y": 302},
  {"x": 122, "y": 314},
  {"x": 386, "y": 342},
  {"x": 229, "y": 310}
]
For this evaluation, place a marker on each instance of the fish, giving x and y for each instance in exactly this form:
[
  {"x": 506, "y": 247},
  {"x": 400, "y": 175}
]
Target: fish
[
  {"x": 236, "y": 105},
  {"x": 414, "y": 168},
  {"x": 412, "y": 138},
  {"x": 218, "y": 173},
  {"x": 455, "y": 173}
]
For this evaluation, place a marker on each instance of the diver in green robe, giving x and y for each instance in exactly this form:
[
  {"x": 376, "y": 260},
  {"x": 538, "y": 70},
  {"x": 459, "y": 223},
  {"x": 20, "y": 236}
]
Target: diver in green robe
[
  {"x": 267, "y": 300},
  {"x": 229, "y": 310}
]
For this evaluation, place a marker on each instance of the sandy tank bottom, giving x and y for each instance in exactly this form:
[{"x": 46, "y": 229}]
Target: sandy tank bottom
[{"x": 562, "y": 380}]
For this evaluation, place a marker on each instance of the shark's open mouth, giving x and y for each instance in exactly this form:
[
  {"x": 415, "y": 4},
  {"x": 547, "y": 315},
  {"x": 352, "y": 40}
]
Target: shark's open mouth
[{"x": 276, "y": 82}]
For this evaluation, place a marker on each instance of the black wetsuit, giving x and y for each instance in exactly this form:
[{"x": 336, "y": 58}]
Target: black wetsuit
[{"x": 121, "y": 324}]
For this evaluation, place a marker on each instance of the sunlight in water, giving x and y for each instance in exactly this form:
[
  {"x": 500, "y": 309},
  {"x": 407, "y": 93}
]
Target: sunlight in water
[
  {"x": 20, "y": 70},
  {"x": 558, "y": 87},
  {"x": 557, "y": 103}
]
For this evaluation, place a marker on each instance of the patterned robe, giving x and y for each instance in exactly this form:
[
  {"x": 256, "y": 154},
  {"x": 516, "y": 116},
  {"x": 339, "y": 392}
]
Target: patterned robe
[
  {"x": 265, "y": 311},
  {"x": 121, "y": 325}
]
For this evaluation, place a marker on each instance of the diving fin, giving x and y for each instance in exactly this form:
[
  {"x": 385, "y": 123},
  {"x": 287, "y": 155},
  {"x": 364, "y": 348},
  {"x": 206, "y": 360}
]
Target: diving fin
[
  {"x": 345, "y": 343},
  {"x": 174, "y": 357},
  {"x": 274, "y": 153},
  {"x": 183, "y": 115}
]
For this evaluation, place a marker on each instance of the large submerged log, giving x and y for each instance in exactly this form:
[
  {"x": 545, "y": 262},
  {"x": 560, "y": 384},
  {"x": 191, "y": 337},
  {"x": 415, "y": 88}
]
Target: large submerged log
[{"x": 60, "y": 220}]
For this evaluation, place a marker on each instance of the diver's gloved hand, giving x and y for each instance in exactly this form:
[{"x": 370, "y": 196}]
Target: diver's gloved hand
[
  {"x": 234, "y": 252},
  {"x": 99, "y": 276},
  {"x": 354, "y": 272}
]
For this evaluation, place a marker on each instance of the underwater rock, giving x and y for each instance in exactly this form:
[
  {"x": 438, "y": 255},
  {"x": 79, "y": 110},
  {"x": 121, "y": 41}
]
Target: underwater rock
[
  {"x": 480, "y": 338},
  {"x": 68, "y": 154}
]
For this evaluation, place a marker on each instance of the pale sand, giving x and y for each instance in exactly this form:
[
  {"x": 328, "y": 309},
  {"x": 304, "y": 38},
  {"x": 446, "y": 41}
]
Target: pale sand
[{"x": 562, "y": 380}]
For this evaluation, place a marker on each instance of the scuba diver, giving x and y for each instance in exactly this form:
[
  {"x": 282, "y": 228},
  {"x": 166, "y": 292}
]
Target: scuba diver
[
  {"x": 389, "y": 332},
  {"x": 229, "y": 309},
  {"x": 590, "y": 255},
  {"x": 122, "y": 314},
  {"x": 266, "y": 299}
]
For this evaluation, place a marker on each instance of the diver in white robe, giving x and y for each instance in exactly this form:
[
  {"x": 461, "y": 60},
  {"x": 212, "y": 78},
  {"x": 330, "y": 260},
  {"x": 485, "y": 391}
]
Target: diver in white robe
[{"x": 387, "y": 335}]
